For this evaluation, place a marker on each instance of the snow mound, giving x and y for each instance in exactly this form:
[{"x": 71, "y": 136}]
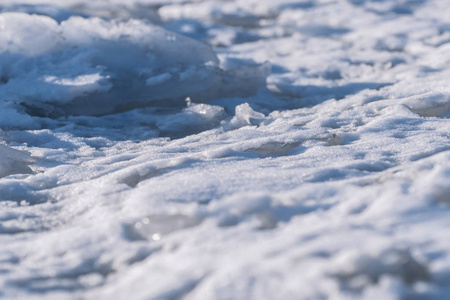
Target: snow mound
[
  {"x": 94, "y": 67},
  {"x": 13, "y": 161}
]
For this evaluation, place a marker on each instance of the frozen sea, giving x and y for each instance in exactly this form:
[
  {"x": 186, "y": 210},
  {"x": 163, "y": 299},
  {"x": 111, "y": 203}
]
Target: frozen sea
[{"x": 225, "y": 149}]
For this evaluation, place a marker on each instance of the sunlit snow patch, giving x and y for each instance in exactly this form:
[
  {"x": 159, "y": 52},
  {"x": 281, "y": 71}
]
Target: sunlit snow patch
[{"x": 94, "y": 67}]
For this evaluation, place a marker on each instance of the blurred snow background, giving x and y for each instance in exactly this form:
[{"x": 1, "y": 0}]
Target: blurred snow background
[{"x": 246, "y": 149}]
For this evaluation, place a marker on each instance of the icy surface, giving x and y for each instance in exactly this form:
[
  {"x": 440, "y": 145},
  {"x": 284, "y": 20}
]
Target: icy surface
[{"x": 246, "y": 149}]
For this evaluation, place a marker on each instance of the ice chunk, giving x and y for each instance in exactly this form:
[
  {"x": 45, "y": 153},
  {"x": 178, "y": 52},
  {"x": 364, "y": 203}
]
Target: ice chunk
[
  {"x": 154, "y": 227},
  {"x": 93, "y": 67},
  {"x": 13, "y": 161},
  {"x": 428, "y": 104},
  {"x": 246, "y": 116},
  {"x": 194, "y": 118}
]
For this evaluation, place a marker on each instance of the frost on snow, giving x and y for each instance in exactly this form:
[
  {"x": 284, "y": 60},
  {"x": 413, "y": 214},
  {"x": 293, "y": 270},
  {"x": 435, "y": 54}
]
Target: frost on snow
[{"x": 239, "y": 149}]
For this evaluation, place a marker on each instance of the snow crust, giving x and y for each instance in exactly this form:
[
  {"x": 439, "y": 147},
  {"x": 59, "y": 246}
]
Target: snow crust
[{"x": 245, "y": 149}]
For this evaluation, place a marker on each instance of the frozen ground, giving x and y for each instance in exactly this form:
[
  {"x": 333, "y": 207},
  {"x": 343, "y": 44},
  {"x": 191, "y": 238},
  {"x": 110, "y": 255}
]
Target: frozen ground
[{"x": 311, "y": 160}]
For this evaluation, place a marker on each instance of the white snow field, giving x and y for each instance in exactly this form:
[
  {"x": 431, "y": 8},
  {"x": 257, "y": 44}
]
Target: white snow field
[{"x": 240, "y": 149}]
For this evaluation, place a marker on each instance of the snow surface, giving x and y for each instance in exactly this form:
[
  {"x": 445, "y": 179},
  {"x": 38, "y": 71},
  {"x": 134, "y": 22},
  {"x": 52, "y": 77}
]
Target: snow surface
[{"x": 246, "y": 149}]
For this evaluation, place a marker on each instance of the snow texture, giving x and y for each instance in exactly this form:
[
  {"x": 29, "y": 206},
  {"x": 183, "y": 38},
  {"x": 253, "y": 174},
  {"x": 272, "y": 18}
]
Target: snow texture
[{"x": 208, "y": 149}]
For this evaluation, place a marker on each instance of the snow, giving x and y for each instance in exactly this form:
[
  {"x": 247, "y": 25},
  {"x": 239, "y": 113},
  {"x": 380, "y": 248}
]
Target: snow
[
  {"x": 93, "y": 67},
  {"x": 165, "y": 149}
]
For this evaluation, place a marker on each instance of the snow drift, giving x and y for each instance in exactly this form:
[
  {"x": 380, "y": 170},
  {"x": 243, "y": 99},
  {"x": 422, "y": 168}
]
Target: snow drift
[{"x": 94, "y": 67}]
